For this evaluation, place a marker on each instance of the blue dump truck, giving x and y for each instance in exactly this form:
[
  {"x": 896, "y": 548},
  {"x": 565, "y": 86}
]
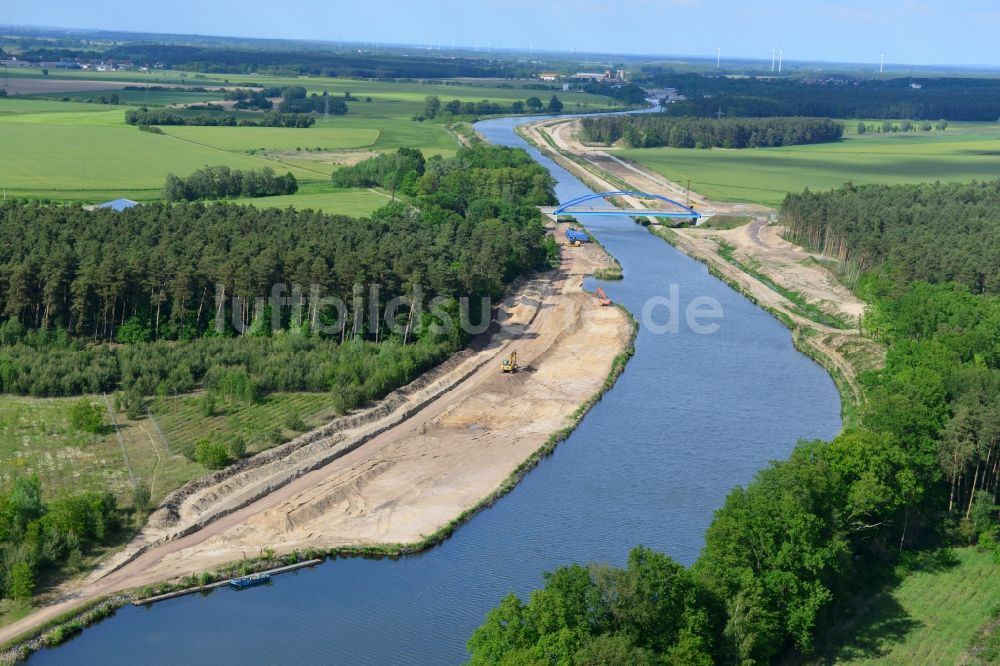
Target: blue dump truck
[{"x": 576, "y": 237}]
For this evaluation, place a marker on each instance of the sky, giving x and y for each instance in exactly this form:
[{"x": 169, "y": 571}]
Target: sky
[{"x": 919, "y": 32}]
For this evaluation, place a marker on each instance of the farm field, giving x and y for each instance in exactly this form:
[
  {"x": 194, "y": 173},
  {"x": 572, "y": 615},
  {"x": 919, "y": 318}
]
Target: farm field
[
  {"x": 412, "y": 94},
  {"x": 964, "y": 152},
  {"x": 84, "y": 152},
  {"x": 242, "y": 139},
  {"x": 405, "y": 98},
  {"x": 322, "y": 196},
  {"x": 65, "y": 151},
  {"x": 930, "y": 618},
  {"x": 16, "y": 106},
  {"x": 74, "y": 162},
  {"x": 146, "y": 97}
]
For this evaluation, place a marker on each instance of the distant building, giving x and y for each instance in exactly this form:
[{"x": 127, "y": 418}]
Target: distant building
[
  {"x": 119, "y": 204},
  {"x": 607, "y": 76},
  {"x": 916, "y": 86},
  {"x": 548, "y": 76}
]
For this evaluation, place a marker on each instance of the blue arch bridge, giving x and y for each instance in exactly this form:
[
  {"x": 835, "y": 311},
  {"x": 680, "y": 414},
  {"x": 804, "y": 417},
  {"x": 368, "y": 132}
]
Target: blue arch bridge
[{"x": 577, "y": 207}]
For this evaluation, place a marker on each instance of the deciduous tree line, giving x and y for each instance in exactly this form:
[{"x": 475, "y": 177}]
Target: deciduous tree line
[
  {"x": 145, "y": 117},
  {"x": 433, "y": 107},
  {"x": 221, "y": 182}
]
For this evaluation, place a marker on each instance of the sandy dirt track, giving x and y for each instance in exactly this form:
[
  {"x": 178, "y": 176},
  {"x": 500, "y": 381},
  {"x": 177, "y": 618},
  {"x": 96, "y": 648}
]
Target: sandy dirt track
[{"x": 399, "y": 471}]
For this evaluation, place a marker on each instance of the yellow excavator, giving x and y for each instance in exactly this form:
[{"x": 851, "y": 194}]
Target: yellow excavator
[{"x": 509, "y": 364}]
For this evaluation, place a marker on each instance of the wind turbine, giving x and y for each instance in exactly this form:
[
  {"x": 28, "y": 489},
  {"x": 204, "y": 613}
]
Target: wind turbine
[
  {"x": 774, "y": 53},
  {"x": 781, "y": 55},
  {"x": 718, "y": 57},
  {"x": 881, "y": 65}
]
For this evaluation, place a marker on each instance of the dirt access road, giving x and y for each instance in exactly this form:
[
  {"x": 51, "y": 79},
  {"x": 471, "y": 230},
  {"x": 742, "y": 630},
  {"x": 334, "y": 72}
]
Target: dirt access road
[
  {"x": 399, "y": 471},
  {"x": 757, "y": 245}
]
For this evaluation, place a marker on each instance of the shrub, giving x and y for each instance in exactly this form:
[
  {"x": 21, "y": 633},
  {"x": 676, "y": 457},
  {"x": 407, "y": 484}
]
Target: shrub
[
  {"x": 134, "y": 331},
  {"x": 140, "y": 498},
  {"x": 21, "y": 581},
  {"x": 134, "y": 403},
  {"x": 86, "y": 416},
  {"x": 210, "y": 454},
  {"x": 237, "y": 448},
  {"x": 207, "y": 403},
  {"x": 293, "y": 421}
]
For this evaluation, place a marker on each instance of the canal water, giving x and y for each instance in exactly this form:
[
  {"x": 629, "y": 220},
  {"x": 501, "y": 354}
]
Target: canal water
[{"x": 692, "y": 416}]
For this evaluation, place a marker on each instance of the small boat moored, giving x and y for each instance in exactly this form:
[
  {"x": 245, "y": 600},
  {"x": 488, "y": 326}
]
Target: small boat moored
[{"x": 249, "y": 581}]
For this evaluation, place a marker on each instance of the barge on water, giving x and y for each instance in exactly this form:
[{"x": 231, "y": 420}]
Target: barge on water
[{"x": 250, "y": 581}]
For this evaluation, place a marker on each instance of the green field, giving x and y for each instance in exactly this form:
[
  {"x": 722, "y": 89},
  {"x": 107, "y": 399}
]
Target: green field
[
  {"x": 262, "y": 425},
  {"x": 64, "y": 151},
  {"x": 11, "y": 106},
  {"x": 929, "y": 618},
  {"x": 144, "y": 97},
  {"x": 36, "y": 438},
  {"x": 964, "y": 152},
  {"x": 242, "y": 139},
  {"x": 84, "y": 152},
  {"x": 327, "y": 198},
  {"x": 62, "y": 159}
]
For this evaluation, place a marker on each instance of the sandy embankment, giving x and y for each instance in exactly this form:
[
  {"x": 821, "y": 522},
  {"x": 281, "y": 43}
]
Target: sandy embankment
[{"x": 397, "y": 472}]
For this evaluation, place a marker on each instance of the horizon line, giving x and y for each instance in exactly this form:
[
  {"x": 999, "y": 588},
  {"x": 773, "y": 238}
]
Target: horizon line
[{"x": 504, "y": 49}]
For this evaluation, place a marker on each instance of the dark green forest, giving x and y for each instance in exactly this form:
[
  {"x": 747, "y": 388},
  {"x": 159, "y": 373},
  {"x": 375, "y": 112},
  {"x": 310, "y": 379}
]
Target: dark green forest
[
  {"x": 72, "y": 281},
  {"x": 797, "y": 548},
  {"x": 833, "y": 97},
  {"x": 655, "y": 130},
  {"x": 316, "y": 62},
  {"x": 935, "y": 232},
  {"x": 629, "y": 93}
]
